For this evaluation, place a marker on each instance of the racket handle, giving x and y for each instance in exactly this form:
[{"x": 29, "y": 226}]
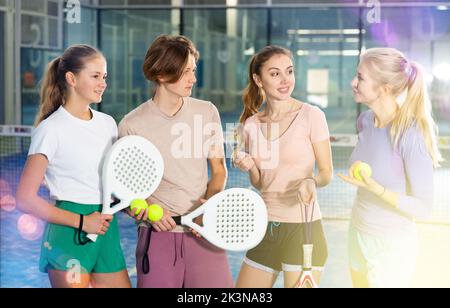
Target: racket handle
[
  {"x": 92, "y": 237},
  {"x": 177, "y": 220}
]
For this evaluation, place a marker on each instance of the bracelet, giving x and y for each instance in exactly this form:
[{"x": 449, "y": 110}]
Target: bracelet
[
  {"x": 311, "y": 178},
  {"x": 80, "y": 225},
  {"x": 80, "y": 229}
]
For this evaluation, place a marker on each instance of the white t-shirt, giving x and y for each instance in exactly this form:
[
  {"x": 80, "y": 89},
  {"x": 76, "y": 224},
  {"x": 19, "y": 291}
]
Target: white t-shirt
[{"x": 75, "y": 150}]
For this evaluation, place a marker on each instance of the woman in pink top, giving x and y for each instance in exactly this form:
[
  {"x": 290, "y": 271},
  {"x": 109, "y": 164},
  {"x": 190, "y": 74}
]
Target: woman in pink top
[{"x": 283, "y": 141}]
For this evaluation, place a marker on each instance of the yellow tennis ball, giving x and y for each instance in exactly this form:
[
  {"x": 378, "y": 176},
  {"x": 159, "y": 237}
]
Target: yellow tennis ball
[
  {"x": 360, "y": 167},
  {"x": 155, "y": 212},
  {"x": 139, "y": 204}
]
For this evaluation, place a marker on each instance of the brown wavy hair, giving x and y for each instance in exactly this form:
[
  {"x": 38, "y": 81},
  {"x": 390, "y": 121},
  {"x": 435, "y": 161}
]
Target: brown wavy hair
[
  {"x": 167, "y": 56},
  {"x": 253, "y": 97}
]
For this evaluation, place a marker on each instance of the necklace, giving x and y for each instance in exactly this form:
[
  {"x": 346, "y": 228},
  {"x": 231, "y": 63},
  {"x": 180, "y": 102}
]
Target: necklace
[
  {"x": 169, "y": 115},
  {"x": 270, "y": 121}
]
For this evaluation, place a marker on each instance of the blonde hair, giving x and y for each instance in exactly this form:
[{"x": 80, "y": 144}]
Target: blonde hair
[{"x": 388, "y": 66}]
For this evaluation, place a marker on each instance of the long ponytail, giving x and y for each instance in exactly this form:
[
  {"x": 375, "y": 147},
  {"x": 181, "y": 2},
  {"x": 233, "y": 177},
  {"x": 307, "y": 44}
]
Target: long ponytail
[
  {"x": 54, "y": 90},
  {"x": 390, "y": 66},
  {"x": 52, "y": 95},
  {"x": 253, "y": 96},
  {"x": 417, "y": 109}
]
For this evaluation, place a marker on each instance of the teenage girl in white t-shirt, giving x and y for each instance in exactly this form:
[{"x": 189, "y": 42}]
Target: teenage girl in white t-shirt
[{"x": 67, "y": 150}]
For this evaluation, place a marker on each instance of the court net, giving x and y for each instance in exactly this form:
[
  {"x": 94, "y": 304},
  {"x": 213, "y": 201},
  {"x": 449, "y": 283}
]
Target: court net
[{"x": 336, "y": 200}]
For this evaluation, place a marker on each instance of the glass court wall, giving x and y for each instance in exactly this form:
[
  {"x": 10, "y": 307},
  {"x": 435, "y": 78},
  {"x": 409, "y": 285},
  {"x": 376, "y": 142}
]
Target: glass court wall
[{"x": 325, "y": 38}]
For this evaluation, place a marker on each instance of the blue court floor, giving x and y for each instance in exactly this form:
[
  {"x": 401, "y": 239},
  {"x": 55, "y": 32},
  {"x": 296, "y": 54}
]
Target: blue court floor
[{"x": 19, "y": 257}]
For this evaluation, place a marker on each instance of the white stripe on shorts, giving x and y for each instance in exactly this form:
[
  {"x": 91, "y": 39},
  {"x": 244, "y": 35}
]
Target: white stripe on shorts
[{"x": 260, "y": 266}]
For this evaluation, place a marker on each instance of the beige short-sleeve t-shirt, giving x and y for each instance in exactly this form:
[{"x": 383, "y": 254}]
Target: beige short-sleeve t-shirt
[{"x": 185, "y": 140}]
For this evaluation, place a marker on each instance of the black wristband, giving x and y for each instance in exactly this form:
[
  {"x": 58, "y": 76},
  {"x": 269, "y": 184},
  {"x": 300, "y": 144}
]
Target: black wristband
[{"x": 80, "y": 229}]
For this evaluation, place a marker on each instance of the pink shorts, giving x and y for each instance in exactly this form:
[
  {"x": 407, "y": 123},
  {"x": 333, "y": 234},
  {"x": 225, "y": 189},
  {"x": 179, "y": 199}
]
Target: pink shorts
[{"x": 180, "y": 260}]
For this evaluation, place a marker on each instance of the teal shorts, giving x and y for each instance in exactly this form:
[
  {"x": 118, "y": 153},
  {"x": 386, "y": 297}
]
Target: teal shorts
[
  {"x": 62, "y": 251},
  {"x": 387, "y": 261}
]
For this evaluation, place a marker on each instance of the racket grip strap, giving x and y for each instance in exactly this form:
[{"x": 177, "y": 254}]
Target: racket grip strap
[{"x": 177, "y": 220}]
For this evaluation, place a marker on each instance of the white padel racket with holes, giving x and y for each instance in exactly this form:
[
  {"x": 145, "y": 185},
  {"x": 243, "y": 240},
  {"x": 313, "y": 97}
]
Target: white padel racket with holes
[
  {"x": 234, "y": 219},
  {"x": 132, "y": 169}
]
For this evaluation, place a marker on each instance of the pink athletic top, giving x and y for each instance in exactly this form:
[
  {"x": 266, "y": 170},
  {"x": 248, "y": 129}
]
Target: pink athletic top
[{"x": 286, "y": 161}]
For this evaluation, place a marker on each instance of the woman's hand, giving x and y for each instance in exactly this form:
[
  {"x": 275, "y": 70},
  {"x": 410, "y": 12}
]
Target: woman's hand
[
  {"x": 307, "y": 193},
  {"x": 244, "y": 161},
  {"x": 142, "y": 216},
  {"x": 166, "y": 223},
  {"x": 96, "y": 223},
  {"x": 367, "y": 181}
]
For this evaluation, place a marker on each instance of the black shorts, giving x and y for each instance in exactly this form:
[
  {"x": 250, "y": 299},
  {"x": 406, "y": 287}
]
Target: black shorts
[{"x": 282, "y": 248}]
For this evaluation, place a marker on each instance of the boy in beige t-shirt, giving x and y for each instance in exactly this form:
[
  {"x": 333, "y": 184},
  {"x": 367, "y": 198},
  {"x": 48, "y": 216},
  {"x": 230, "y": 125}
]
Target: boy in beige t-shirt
[
  {"x": 183, "y": 141},
  {"x": 188, "y": 134}
]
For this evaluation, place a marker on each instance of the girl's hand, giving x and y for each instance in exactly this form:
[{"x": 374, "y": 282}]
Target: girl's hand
[
  {"x": 96, "y": 223},
  {"x": 367, "y": 181},
  {"x": 307, "y": 193},
  {"x": 142, "y": 216},
  {"x": 243, "y": 161}
]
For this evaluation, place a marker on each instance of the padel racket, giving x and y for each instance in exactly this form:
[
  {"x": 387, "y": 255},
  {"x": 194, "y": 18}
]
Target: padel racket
[
  {"x": 234, "y": 219},
  {"x": 132, "y": 169},
  {"x": 307, "y": 279}
]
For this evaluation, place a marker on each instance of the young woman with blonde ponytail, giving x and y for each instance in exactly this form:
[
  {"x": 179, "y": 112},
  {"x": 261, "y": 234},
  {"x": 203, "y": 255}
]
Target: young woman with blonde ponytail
[
  {"x": 283, "y": 141},
  {"x": 67, "y": 150},
  {"x": 397, "y": 138}
]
